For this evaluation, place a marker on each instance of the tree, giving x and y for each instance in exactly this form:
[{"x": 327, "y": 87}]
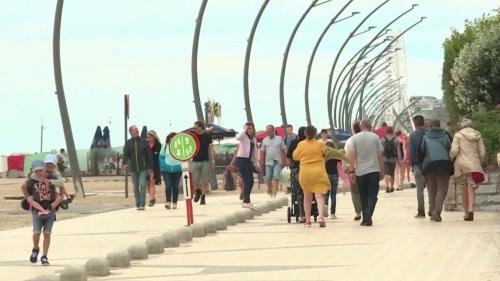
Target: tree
[
  {"x": 452, "y": 47},
  {"x": 476, "y": 72}
]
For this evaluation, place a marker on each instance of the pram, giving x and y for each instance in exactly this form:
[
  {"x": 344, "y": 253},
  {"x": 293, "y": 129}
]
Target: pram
[{"x": 296, "y": 208}]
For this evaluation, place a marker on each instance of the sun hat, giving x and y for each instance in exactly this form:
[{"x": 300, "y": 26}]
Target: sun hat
[
  {"x": 37, "y": 165},
  {"x": 50, "y": 159}
]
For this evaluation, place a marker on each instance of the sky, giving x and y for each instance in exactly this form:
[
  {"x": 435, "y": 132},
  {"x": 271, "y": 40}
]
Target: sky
[{"x": 143, "y": 48}]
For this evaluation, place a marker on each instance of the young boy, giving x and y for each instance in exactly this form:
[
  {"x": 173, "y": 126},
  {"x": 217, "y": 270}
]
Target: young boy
[
  {"x": 55, "y": 178},
  {"x": 41, "y": 195}
]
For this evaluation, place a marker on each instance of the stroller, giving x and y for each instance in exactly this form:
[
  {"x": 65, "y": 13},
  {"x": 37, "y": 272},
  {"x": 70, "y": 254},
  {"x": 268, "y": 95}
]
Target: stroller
[{"x": 296, "y": 208}]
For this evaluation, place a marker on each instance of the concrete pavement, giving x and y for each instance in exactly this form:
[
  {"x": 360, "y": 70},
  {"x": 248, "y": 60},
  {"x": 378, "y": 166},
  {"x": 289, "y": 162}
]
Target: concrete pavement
[{"x": 397, "y": 247}]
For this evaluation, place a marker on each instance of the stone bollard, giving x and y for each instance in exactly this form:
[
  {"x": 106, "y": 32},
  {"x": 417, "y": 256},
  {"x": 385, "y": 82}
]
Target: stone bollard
[
  {"x": 231, "y": 219},
  {"x": 241, "y": 215},
  {"x": 263, "y": 208},
  {"x": 170, "y": 239},
  {"x": 210, "y": 226},
  {"x": 284, "y": 201},
  {"x": 221, "y": 223},
  {"x": 74, "y": 273},
  {"x": 184, "y": 234},
  {"x": 198, "y": 230},
  {"x": 138, "y": 251},
  {"x": 155, "y": 245},
  {"x": 119, "y": 258},
  {"x": 271, "y": 206},
  {"x": 97, "y": 267},
  {"x": 48, "y": 277},
  {"x": 278, "y": 204},
  {"x": 249, "y": 214}
]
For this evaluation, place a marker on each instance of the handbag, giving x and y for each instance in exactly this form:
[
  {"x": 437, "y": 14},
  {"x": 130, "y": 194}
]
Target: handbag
[{"x": 477, "y": 177}]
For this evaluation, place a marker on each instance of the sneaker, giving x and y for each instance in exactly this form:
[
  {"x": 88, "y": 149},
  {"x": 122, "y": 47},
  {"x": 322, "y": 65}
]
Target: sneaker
[
  {"x": 334, "y": 217},
  {"x": 202, "y": 200},
  {"x": 197, "y": 196},
  {"x": 420, "y": 215},
  {"x": 168, "y": 205},
  {"x": 34, "y": 255},
  {"x": 302, "y": 220},
  {"x": 141, "y": 208},
  {"x": 174, "y": 206},
  {"x": 357, "y": 217},
  {"x": 436, "y": 218},
  {"x": 249, "y": 206},
  {"x": 45, "y": 261},
  {"x": 241, "y": 196},
  {"x": 152, "y": 202}
]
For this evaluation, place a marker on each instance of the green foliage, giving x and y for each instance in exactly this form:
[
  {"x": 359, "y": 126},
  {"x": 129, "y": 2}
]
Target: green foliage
[
  {"x": 452, "y": 47},
  {"x": 488, "y": 123}
]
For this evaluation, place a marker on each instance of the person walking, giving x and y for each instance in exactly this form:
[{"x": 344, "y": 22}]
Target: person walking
[
  {"x": 201, "y": 167},
  {"x": 436, "y": 167},
  {"x": 355, "y": 197},
  {"x": 313, "y": 178},
  {"x": 290, "y": 136},
  {"x": 416, "y": 159},
  {"x": 295, "y": 171},
  {"x": 138, "y": 155},
  {"x": 323, "y": 136},
  {"x": 246, "y": 160},
  {"x": 331, "y": 166},
  {"x": 366, "y": 169},
  {"x": 61, "y": 163},
  {"x": 272, "y": 159},
  {"x": 392, "y": 154},
  {"x": 401, "y": 162},
  {"x": 468, "y": 153},
  {"x": 154, "y": 178},
  {"x": 171, "y": 170}
]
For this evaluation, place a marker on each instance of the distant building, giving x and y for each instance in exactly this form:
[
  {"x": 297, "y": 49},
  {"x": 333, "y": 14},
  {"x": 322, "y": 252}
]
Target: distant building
[{"x": 431, "y": 108}]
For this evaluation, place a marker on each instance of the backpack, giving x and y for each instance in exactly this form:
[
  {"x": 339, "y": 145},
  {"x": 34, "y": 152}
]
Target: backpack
[{"x": 390, "y": 148}]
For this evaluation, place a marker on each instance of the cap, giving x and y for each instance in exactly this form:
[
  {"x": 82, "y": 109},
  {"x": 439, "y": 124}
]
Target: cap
[
  {"x": 50, "y": 159},
  {"x": 37, "y": 165}
]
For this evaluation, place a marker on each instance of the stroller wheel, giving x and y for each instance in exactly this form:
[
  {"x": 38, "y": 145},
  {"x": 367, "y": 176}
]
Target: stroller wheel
[{"x": 289, "y": 214}]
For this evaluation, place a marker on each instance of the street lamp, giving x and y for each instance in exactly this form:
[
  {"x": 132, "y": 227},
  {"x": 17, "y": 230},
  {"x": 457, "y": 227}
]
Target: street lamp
[
  {"x": 194, "y": 62},
  {"x": 246, "y": 91},
  {"x": 61, "y": 99},
  {"x": 285, "y": 58},
  {"x": 330, "y": 78},
  {"x": 313, "y": 54}
]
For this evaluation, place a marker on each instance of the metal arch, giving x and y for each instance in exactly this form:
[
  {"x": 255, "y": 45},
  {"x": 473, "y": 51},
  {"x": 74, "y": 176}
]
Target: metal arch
[
  {"x": 194, "y": 61},
  {"x": 406, "y": 110},
  {"x": 285, "y": 58},
  {"x": 68, "y": 133},
  {"x": 384, "y": 103},
  {"x": 246, "y": 91},
  {"x": 311, "y": 59},
  {"x": 371, "y": 95},
  {"x": 330, "y": 78}
]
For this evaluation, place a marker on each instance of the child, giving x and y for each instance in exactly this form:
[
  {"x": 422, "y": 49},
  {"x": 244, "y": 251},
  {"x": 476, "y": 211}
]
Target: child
[
  {"x": 41, "y": 195},
  {"x": 55, "y": 178}
]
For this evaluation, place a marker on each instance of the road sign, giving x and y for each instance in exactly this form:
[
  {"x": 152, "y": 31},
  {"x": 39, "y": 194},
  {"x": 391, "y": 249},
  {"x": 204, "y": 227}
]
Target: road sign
[
  {"x": 184, "y": 146},
  {"x": 186, "y": 177}
]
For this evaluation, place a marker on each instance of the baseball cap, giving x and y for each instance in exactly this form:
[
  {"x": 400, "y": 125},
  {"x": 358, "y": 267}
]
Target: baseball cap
[
  {"x": 50, "y": 159},
  {"x": 37, "y": 165}
]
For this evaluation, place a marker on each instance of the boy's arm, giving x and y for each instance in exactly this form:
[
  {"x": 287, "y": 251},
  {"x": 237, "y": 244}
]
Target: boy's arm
[{"x": 35, "y": 204}]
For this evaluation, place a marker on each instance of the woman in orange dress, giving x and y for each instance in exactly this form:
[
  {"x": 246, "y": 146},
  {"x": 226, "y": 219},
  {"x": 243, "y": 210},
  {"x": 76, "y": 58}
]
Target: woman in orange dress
[{"x": 312, "y": 177}]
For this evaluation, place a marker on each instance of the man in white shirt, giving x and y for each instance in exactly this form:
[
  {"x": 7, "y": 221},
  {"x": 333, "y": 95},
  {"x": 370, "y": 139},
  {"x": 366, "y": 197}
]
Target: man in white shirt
[
  {"x": 366, "y": 168},
  {"x": 272, "y": 158}
]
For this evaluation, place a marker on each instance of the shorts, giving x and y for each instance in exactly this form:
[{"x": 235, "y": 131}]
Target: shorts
[
  {"x": 46, "y": 224},
  {"x": 273, "y": 172},
  {"x": 201, "y": 172},
  {"x": 389, "y": 169}
]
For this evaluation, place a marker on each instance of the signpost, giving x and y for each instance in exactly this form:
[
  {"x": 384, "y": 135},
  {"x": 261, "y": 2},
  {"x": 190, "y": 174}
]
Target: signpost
[
  {"x": 183, "y": 147},
  {"x": 127, "y": 116}
]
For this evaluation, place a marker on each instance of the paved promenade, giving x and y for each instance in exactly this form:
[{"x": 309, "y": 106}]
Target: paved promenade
[{"x": 397, "y": 247}]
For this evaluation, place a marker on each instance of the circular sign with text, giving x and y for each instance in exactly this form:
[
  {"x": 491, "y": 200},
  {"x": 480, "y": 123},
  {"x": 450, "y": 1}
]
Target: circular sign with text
[{"x": 184, "y": 146}]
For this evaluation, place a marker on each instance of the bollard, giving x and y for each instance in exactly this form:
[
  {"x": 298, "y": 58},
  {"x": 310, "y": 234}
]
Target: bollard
[
  {"x": 231, "y": 219},
  {"x": 119, "y": 258},
  {"x": 184, "y": 234},
  {"x": 74, "y": 273},
  {"x": 170, "y": 239},
  {"x": 155, "y": 245},
  {"x": 198, "y": 230},
  {"x": 241, "y": 215},
  {"x": 210, "y": 226},
  {"x": 138, "y": 251},
  {"x": 221, "y": 223},
  {"x": 48, "y": 277},
  {"x": 248, "y": 213},
  {"x": 97, "y": 267}
]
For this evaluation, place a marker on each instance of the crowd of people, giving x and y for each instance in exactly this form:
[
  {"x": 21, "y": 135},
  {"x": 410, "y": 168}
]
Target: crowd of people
[{"x": 368, "y": 157}]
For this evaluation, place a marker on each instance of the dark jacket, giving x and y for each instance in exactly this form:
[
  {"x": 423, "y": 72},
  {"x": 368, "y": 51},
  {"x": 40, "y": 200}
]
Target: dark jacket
[
  {"x": 155, "y": 153},
  {"x": 436, "y": 147},
  {"x": 137, "y": 153},
  {"x": 416, "y": 156}
]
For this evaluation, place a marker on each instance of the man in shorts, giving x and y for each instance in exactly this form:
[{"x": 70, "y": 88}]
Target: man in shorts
[
  {"x": 391, "y": 155},
  {"x": 272, "y": 158},
  {"x": 41, "y": 195},
  {"x": 201, "y": 166}
]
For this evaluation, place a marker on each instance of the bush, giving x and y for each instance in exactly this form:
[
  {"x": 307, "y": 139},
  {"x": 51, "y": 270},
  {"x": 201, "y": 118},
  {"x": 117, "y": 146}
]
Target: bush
[{"x": 488, "y": 123}]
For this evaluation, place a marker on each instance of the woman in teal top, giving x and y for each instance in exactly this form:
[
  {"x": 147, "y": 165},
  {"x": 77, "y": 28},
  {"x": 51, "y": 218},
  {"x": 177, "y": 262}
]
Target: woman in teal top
[{"x": 172, "y": 171}]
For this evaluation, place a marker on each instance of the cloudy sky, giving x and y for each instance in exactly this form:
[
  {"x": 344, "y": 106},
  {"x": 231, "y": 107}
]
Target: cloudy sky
[{"x": 143, "y": 48}]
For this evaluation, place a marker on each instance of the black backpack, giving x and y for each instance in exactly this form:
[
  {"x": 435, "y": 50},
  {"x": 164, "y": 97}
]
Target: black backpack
[{"x": 390, "y": 148}]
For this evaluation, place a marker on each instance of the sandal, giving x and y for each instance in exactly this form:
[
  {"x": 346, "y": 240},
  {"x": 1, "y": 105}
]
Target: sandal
[{"x": 307, "y": 225}]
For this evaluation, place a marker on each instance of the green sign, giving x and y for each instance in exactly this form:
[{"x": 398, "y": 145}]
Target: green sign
[{"x": 184, "y": 146}]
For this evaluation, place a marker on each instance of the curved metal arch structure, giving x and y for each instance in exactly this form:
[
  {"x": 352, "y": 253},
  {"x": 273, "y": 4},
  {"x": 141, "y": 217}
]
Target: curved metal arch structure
[
  {"x": 405, "y": 111},
  {"x": 313, "y": 54},
  {"x": 381, "y": 105},
  {"x": 194, "y": 61},
  {"x": 61, "y": 99},
  {"x": 330, "y": 77},
  {"x": 373, "y": 94},
  {"x": 246, "y": 91},
  {"x": 285, "y": 59}
]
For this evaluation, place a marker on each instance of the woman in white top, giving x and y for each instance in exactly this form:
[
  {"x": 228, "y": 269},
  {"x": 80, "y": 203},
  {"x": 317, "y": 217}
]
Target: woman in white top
[{"x": 246, "y": 158}]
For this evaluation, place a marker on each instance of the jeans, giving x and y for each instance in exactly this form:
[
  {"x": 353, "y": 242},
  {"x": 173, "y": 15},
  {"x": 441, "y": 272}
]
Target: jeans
[
  {"x": 139, "y": 182},
  {"x": 245, "y": 169},
  {"x": 437, "y": 185},
  {"x": 420, "y": 182},
  {"x": 172, "y": 186},
  {"x": 368, "y": 190},
  {"x": 334, "y": 183}
]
